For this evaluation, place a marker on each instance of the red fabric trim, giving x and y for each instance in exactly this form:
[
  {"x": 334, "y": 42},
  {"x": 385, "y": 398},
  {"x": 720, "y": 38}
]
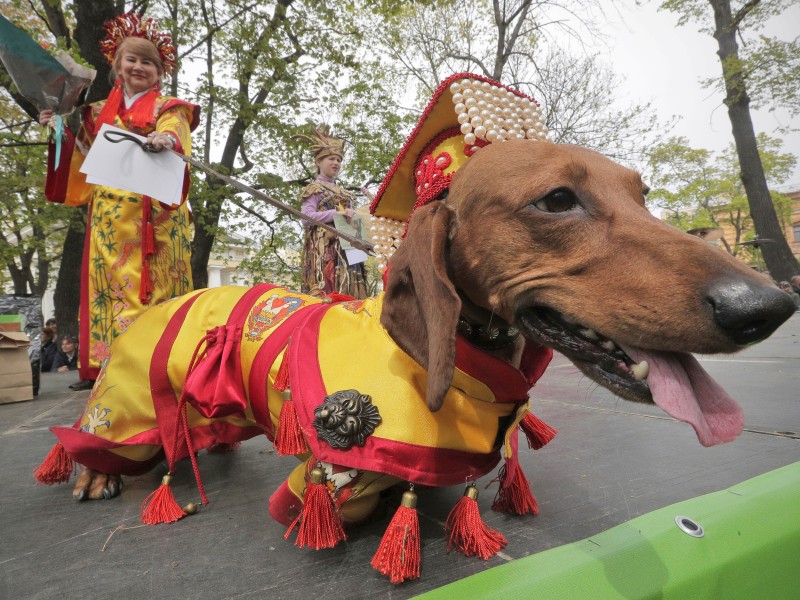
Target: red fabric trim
[
  {"x": 160, "y": 104},
  {"x": 428, "y": 109},
  {"x": 109, "y": 108},
  {"x": 55, "y": 187},
  {"x": 263, "y": 361},
  {"x": 148, "y": 249},
  {"x": 87, "y": 115},
  {"x": 214, "y": 385},
  {"x": 171, "y": 102},
  {"x": 507, "y": 383},
  {"x": 420, "y": 464},
  {"x": 535, "y": 359},
  {"x": 164, "y": 402},
  {"x": 94, "y": 452}
]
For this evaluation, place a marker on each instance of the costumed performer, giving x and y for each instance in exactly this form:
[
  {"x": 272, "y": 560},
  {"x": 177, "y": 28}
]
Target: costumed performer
[
  {"x": 137, "y": 250},
  {"x": 325, "y": 267}
]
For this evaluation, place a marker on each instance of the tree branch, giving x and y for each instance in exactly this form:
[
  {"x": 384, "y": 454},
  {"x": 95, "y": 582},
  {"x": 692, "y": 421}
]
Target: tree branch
[{"x": 742, "y": 13}]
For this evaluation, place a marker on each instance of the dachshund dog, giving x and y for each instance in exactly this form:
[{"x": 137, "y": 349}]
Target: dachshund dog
[{"x": 536, "y": 246}]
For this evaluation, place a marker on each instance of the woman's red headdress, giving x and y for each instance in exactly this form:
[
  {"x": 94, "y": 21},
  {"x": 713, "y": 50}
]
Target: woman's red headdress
[{"x": 133, "y": 25}]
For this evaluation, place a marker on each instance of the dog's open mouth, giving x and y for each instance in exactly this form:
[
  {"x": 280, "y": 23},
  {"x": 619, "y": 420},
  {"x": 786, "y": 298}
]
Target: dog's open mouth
[{"x": 672, "y": 380}]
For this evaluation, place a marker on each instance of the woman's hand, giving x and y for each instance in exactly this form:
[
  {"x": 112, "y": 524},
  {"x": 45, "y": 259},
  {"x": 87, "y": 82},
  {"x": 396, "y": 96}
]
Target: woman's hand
[
  {"x": 161, "y": 141},
  {"x": 45, "y": 118},
  {"x": 348, "y": 213}
]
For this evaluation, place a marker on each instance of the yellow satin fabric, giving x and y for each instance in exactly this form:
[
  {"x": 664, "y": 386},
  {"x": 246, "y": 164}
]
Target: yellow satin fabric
[
  {"x": 121, "y": 405},
  {"x": 355, "y": 352}
]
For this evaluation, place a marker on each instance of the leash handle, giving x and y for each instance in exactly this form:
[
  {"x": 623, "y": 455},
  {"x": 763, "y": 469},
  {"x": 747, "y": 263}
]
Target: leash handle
[{"x": 115, "y": 137}]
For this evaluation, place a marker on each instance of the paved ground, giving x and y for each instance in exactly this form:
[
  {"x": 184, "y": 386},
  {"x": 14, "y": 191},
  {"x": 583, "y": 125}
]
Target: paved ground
[{"x": 612, "y": 461}]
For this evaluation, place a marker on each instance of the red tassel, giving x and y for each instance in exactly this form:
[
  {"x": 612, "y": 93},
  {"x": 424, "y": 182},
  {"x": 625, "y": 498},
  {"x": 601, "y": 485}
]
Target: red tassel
[
  {"x": 148, "y": 249},
  {"x": 57, "y": 467},
  {"x": 398, "y": 555},
  {"x": 145, "y": 284},
  {"x": 160, "y": 506},
  {"x": 337, "y": 298},
  {"x": 468, "y": 533},
  {"x": 148, "y": 239},
  {"x": 320, "y": 521},
  {"x": 282, "y": 376},
  {"x": 537, "y": 431},
  {"x": 290, "y": 440},
  {"x": 514, "y": 495}
]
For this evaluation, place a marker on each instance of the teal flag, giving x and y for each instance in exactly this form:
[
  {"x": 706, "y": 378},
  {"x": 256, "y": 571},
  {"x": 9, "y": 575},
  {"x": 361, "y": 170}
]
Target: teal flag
[{"x": 39, "y": 76}]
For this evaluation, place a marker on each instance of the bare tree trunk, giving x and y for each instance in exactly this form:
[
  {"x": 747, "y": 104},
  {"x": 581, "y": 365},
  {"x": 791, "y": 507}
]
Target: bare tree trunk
[
  {"x": 206, "y": 223},
  {"x": 67, "y": 294},
  {"x": 777, "y": 254},
  {"x": 90, "y": 17}
]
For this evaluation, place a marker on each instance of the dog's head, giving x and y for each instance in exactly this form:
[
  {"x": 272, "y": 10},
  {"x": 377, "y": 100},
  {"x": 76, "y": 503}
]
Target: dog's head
[{"x": 556, "y": 241}]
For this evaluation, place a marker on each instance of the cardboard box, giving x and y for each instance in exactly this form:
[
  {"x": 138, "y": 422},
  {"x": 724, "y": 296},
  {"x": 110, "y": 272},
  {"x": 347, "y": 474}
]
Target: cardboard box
[
  {"x": 16, "y": 377},
  {"x": 12, "y": 322}
]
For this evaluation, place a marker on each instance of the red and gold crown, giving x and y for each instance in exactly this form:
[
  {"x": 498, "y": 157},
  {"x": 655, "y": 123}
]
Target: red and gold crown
[
  {"x": 466, "y": 113},
  {"x": 133, "y": 25}
]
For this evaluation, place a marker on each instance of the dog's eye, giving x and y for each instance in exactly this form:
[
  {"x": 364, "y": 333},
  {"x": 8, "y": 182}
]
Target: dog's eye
[{"x": 557, "y": 201}]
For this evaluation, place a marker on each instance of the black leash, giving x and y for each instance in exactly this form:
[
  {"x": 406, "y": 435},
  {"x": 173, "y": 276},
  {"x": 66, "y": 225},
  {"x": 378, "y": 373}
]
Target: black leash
[{"x": 115, "y": 137}]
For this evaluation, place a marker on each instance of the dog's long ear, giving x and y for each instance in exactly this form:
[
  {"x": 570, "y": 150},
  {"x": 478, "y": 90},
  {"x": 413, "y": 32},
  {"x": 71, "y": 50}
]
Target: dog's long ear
[{"x": 421, "y": 306}]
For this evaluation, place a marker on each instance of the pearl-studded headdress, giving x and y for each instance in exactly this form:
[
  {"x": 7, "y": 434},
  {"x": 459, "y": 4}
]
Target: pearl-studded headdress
[{"x": 465, "y": 113}]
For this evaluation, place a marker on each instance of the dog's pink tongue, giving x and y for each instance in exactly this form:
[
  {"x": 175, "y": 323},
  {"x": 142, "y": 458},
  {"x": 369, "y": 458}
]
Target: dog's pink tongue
[{"x": 683, "y": 389}]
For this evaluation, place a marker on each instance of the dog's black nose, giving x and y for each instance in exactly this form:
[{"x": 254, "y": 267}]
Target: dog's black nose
[{"x": 749, "y": 312}]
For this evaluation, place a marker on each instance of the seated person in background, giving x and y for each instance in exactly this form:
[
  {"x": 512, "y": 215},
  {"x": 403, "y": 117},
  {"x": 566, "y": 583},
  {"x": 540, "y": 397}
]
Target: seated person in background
[
  {"x": 66, "y": 359},
  {"x": 795, "y": 281},
  {"x": 48, "y": 348},
  {"x": 788, "y": 288}
]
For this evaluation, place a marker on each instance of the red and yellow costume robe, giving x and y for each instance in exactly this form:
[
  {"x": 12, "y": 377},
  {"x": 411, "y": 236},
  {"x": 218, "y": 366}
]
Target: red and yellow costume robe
[
  {"x": 242, "y": 334},
  {"x": 137, "y": 250}
]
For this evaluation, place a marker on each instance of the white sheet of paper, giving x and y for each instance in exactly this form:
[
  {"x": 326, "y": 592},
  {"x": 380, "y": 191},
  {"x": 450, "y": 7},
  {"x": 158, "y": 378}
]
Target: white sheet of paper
[
  {"x": 354, "y": 256},
  {"x": 126, "y": 166}
]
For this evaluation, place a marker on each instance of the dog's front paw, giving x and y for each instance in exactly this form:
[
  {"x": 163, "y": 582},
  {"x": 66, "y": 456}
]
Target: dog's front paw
[{"x": 92, "y": 485}]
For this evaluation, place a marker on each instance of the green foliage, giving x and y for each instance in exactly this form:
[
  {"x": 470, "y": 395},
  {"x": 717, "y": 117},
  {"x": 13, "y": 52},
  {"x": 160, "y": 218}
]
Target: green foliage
[
  {"x": 521, "y": 43},
  {"x": 31, "y": 229},
  {"x": 770, "y": 66},
  {"x": 694, "y": 187},
  {"x": 270, "y": 69}
]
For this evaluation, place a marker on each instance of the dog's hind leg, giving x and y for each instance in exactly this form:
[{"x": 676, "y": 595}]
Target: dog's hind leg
[{"x": 92, "y": 485}]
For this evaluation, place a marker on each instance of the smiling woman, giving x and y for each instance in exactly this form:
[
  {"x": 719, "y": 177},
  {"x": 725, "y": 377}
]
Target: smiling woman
[
  {"x": 138, "y": 64},
  {"x": 137, "y": 250}
]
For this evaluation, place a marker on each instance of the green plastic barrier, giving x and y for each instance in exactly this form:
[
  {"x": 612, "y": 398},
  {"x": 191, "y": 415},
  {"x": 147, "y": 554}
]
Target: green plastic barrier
[{"x": 750, "y": 550}]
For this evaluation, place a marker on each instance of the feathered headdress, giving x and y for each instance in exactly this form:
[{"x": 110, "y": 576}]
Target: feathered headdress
[
  {"x": 132, "y": 25},
  {"x": 322, "y": 144}
]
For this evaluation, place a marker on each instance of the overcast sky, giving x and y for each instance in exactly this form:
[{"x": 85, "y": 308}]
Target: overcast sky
[{"x": 665, "y": 63}]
